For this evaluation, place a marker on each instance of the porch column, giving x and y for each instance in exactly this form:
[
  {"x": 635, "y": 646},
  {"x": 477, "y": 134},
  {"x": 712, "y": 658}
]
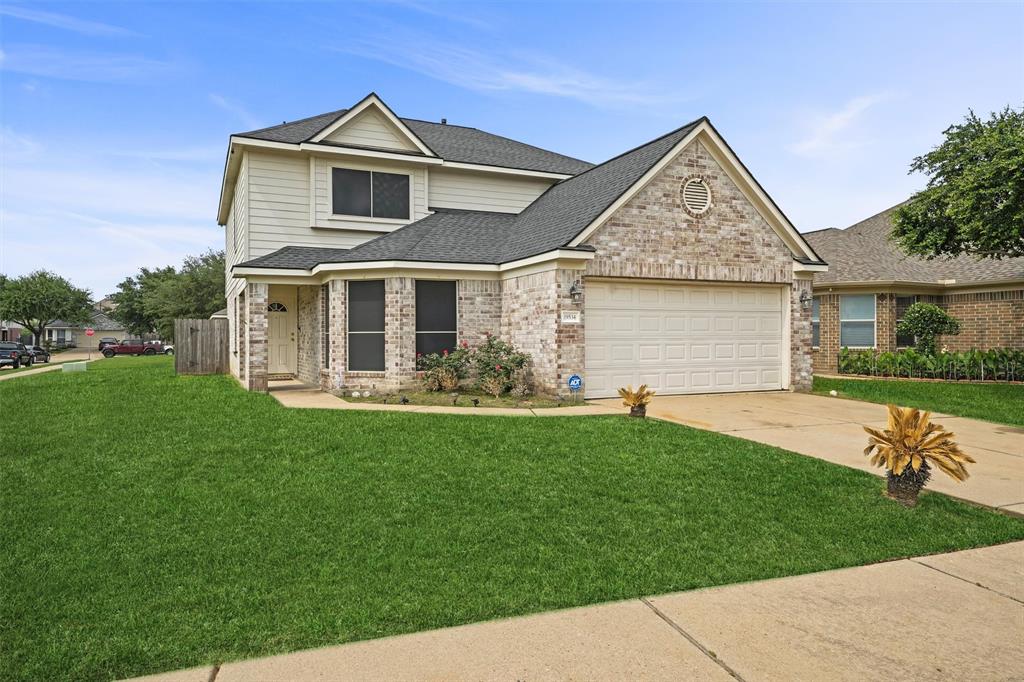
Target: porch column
[
  {"x": 337, "y": 314},
  {"x": 256, "y": 361},
  {"x": 400, "y": 332}
]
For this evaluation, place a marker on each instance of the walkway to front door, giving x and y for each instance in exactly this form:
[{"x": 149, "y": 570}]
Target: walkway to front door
[{"x": 832, "y": 429}]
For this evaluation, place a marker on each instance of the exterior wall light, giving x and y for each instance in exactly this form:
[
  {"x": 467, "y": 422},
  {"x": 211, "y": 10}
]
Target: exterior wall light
[
  {"x": 805, "y": 300},
  {"x": 576, "y": 292}
]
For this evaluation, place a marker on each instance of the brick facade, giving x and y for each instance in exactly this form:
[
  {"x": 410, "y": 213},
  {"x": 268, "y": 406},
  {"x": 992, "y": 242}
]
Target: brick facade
[
  {"x": 256, "y": 331},
  {"x": 992, "y": 319},
  {"x": 801, "y": 372},
  {"x": 653, "y": 236},
  {"x": 988, "y": 320},
  {"x": 309, "y": 334},
  {"x": 479, "y": 309}
]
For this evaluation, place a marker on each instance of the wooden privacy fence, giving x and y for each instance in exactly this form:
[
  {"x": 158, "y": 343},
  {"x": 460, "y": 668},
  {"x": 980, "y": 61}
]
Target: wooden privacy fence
[{"x": 201, "y": 346}]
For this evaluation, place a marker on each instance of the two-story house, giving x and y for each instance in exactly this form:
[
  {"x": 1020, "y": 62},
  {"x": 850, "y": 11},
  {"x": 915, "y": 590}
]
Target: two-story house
[{"x": 357, "y": 239}]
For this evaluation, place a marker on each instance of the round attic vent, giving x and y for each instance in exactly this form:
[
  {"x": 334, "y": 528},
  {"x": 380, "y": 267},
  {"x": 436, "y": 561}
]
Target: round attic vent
[{"x": 696, "y": 196}]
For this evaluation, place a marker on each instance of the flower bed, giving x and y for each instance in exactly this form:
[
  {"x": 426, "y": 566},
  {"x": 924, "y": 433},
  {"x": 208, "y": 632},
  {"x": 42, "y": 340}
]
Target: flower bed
[{"x": 1000, "y": 364}]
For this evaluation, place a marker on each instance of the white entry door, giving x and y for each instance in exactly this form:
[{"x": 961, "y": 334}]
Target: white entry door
[
  {"x": 683, "y": 338},
  {"x": 281, "y": 335}
]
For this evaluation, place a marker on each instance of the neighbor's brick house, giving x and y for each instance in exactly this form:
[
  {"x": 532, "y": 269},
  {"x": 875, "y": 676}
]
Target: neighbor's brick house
[
  {"x": 357, "y": 239},
  {"x": 870, "y": 283}
]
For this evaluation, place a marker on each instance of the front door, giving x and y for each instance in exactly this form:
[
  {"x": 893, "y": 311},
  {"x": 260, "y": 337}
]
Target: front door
[{"x": 281, "y": 328}]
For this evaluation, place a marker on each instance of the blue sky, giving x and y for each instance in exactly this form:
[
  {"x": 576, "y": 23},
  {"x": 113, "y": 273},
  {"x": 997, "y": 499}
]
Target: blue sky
[{"x": 114, "y": 118}]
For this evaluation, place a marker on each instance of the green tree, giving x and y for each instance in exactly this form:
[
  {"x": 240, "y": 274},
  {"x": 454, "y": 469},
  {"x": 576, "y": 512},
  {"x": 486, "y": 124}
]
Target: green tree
[
  {"x": 39, "y": 298},
  {"x": 974, "y": 201},
  {"x": 150, "y": 301},
  {"x": 197, "y": 290},
  {"x": 130, "y": 299},
  {"x": 927, "y": 321}
]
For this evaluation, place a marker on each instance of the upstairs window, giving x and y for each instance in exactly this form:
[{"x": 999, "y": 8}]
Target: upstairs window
[
  {"x": 816, "y": 321},
  {"x": 436, "y": 326},
  {"x": 369, "y": 194},
  {"x": 857, "y": 321}
]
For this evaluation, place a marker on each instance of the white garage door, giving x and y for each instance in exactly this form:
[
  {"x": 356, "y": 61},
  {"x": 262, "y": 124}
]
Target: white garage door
[{"x": 682, "y": 338}]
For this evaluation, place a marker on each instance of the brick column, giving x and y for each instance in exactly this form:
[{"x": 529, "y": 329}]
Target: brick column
[
  {"x": 569, "y": 337},
  {"x": 800, "y": 371},
  {"x": 399, "y": 332},
  {"x": 335, "y": 375},
  {"x": 885, "y": 322},
  {"x": 827, "y": 356},
  {"x": 256, "y": 360}
]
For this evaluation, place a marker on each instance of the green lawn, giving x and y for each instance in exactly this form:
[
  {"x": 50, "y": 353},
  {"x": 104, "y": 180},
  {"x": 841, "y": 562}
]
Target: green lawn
[
  {"x": 1002, "y": 403},
  {"x": 152, "y": 522}
]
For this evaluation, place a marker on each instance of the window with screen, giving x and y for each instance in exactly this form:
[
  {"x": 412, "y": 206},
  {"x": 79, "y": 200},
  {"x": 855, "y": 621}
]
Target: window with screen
[
  {"x": 366, "y": 326},
  {"x": 857, "y": 321},
  {"x": 369, "y": 193},
  {"x": 816, "y": 321},
  {"x": 902, "y": 303},
  {"x": 436, "y": 316}
]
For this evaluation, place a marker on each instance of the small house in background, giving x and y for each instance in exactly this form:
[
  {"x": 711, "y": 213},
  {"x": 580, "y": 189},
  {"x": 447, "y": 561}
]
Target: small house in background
[
  {"x": 63, "y": 334},
  {"x": 871, "y": 283},
  {"x": 12, "y": 331},
  {"x": 221, "y": 314}
]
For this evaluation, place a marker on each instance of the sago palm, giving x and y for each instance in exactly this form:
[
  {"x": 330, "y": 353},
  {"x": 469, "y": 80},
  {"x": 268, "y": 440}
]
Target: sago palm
[
  {"x": 909, "y": 447},
  {"x": 637, "y": 400}
]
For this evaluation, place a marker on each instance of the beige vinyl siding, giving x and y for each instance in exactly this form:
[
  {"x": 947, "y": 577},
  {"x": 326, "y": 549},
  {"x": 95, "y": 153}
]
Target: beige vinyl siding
[
  {"x": 480, "y": 192},
  {"x": 237, "y": 229},
  {"x": 324, "y": 216},
  {"x": 371, "y": 129},
  {"x": 279, "y": 207}
]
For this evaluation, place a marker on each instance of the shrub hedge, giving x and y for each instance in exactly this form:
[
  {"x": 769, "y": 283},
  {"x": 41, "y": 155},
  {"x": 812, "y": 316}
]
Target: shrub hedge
[{"x": 999, "y": 364}]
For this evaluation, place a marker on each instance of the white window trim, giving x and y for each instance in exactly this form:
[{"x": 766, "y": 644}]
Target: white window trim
[
  {"x": 370, "y": 218},
  {"x": 874, "y": 319},
  {"x": 383, "y": 332}
]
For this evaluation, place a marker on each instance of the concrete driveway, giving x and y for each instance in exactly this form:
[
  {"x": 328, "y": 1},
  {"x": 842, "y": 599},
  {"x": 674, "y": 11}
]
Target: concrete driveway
[{"x": 832, "y": 429}]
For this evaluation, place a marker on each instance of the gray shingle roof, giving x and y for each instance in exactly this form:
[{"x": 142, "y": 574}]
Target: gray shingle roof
[
  {"x": 446, "y": 236},
  {"x": 562, "y": 212},
  {"x": 863, "y": 253},
  {"x": 450, "y": 142},
  {"x": 97, "y": 320},
  {"x": 552, "y": 221}
]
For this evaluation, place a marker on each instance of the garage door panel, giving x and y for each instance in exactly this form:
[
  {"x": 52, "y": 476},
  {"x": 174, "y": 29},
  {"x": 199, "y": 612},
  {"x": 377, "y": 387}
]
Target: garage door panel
[{"x": 682, "y": 338}]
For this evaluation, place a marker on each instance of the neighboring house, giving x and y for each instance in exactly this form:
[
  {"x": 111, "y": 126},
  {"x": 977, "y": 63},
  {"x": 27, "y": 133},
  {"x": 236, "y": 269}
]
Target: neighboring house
[
  {"x": 65, "y": 334},
  {"x": 12, "y": 331},
  {"x": 871, "y": 282},
  {"x": 357, "y": 239},
  {"x": 221, "y": 314}
]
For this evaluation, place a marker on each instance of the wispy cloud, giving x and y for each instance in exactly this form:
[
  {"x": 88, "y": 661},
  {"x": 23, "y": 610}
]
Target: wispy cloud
[
  {"x": 485, "y": 72},
  {"x": 441, "y": 11},
  {"x": 92, "y": 67},
  {"x": 235, "y": 109},
  {"x": 69, "y": 23},
  {"x": 830, "y": 133}
]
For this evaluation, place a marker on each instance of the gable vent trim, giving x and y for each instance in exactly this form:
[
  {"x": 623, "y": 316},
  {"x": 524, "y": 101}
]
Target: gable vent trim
[{"x": 696, "y": 196}]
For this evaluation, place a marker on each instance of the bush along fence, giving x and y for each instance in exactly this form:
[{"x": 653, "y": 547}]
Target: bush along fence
[{"x": 999, "y": 364}]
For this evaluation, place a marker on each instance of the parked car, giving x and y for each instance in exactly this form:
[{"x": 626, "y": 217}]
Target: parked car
[
  {"x": 108, "y": 341},
  {"x": 168, "y": 348},
  {"x": 14, "y": 355},
  {"x": 133, "y": 347},
  {"x": 39, "y": 354}
]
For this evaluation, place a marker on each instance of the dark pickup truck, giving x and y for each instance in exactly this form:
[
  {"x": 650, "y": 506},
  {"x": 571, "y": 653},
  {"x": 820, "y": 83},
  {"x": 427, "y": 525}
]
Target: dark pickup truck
[
  {"x": 133, "y": 347},
  {"x": 15, "y": 355}
]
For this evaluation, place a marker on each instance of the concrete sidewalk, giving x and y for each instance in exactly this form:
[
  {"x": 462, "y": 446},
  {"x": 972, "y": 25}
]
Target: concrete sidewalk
[
  {"x": 832, "y": 429},
  {"x": 950, "y": 616}
]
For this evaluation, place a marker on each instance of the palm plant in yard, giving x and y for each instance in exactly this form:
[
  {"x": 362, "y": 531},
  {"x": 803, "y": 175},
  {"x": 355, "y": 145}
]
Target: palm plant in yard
[
  {"x": 909, "y": 447},
  {"x": 637, "y": 401}
]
